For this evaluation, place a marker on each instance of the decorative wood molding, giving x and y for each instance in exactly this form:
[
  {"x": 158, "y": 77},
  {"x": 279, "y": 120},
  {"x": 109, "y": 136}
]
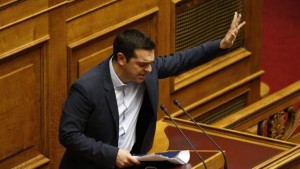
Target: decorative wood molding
[
  {"x": 92, "y": 60},
  {"x": 24, "y": 47},
  {"x": 91, "y": 10},
  {"x": 221, "y": 92},
  {"x": 34, "y": 15},
  {"x": 210, "y": 68},
  {"x": 112, "y": 28},
  {"x": 17, "y": 71},
  {"x": 35, "y": 162},
  {"x": 8, "y": 3},
  {"x": 280, "y": 125}
]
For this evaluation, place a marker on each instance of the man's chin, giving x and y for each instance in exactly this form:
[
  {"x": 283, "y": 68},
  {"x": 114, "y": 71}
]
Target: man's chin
[{"x": 140, "y": 79}]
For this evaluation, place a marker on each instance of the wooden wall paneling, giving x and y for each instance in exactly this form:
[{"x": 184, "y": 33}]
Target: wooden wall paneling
[
  {"x": 253, "y": 42},
  {"x": 97, "y": 19},
  {"x": 90, "y": 61},
  {"x": 55, "y": 77},
  {"x": 253, "y": 31},
  {"x": 78, "y": 8},
  {"x": 24, "y": 35},
  {"x": 237, "y": 60},
  {"x": 83, "y": 57},
  {"x": 207, "y": 110},
  {"x": 26, "y": 9},
  {"x": 6, "y": 3},
  {"x": 225, "y": 73},
  {"x": 164, "y": 27},
  {"x": 22, "y": 116},
  {"x": 20, "y": 35},
  {"x": 163, "y": 43}
]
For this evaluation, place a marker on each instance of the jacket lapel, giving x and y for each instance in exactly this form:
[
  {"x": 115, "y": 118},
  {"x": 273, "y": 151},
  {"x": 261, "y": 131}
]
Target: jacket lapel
[
  {"x": 147, "y": 117},
  {"x": 151, "y": 89},
  {"x": 110, "y": 96}
]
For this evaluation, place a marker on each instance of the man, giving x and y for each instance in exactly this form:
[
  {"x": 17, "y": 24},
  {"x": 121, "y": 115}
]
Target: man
[{"x": 111, "y": 110}]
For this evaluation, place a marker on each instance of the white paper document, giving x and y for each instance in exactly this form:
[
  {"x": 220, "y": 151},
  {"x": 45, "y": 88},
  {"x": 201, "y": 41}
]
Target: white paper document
[{"x": 175, "y": 157}]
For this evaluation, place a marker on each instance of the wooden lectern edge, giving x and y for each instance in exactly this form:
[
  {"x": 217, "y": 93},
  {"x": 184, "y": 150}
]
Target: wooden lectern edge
[
  {"x": 214, "y": 161},
  {"x": 289, "y": 154},
  {"x": 233, "y": 134},
  {"x": 280, "y": 160},
  {"x": 161, "y": 143}
]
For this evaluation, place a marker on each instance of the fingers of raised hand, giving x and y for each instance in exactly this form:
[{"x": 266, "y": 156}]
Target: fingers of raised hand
[
  {"x": 241, "y": 25},
  {"x": 236, "y": 21}
]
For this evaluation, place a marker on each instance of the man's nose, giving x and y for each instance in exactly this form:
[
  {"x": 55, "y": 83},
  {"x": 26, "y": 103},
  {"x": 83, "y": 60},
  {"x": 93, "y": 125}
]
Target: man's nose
[{"x": 148, "y": 68}]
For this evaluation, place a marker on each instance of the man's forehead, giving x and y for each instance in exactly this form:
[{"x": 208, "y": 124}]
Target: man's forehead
[{"x": 144, "y": 56}]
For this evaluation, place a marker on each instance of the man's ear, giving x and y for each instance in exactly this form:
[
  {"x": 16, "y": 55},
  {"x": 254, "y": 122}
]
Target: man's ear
[{"x": 121, "y": 58}]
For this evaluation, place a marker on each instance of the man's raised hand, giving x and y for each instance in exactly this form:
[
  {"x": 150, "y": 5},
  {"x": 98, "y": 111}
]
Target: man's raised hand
[{"x": 231, "y": 35}]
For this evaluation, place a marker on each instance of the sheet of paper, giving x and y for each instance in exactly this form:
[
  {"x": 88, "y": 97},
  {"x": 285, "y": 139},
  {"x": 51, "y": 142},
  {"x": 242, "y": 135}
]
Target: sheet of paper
[{"x": 175, "y": 157}]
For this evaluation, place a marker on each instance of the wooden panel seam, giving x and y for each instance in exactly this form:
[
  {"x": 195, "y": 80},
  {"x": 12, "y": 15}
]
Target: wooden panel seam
[
  {"x": 26, "y": 46},
  {"x": 112, "y": 28},
  {"x": 16, "y": 71},
  {"x": 91, "y": 10},
  {"x": 6, "y": 4},
  {"x": 32, "y": 16}
]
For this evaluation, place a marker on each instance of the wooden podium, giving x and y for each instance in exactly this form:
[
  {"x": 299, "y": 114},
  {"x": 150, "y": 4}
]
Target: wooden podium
[
  {"x": 242, "y": 150},
  {"x": 212, "y": 159}
]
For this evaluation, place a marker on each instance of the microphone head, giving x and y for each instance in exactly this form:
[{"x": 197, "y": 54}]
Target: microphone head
[
  {"x": 163, "y": 107},
  {"x": 176, "y": 102}
]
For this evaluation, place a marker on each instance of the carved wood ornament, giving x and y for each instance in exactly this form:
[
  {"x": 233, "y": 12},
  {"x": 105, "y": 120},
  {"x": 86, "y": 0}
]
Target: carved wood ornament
[{"x": 280, "y": 125}]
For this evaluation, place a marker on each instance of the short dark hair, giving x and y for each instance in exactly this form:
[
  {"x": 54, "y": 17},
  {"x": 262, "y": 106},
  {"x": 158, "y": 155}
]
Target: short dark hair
[{"x": 129, "y": 40}]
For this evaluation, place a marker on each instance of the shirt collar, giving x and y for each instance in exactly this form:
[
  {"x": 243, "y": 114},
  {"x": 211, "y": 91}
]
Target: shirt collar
[{"x": 114, "y": 77}]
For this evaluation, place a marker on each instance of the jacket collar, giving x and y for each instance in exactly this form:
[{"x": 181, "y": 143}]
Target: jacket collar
[{"x": 110, "y": 93}]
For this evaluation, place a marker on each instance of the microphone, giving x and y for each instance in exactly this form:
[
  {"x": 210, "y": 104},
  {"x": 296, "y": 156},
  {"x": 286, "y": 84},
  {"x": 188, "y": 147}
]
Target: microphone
[
  {"x": 164, "y": 109},
  {"x": 177, "y": 103}
]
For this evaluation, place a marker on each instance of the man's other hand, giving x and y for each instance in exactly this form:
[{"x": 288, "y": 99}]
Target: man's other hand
[{"x": 125, "y": 159}]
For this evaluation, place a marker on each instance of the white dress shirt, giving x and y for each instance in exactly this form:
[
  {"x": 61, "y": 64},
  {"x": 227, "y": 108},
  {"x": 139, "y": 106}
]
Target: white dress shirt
[{"x": 129, "y": 99}]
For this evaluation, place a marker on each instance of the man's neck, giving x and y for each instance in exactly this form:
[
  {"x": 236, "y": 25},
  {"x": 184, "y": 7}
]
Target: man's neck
[{"x": 117, "y": 68}]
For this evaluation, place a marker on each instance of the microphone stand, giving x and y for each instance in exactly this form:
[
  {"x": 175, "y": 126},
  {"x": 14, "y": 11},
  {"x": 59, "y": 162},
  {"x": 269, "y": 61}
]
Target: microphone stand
[
  {"x": 164, "y": 109},
  {"x": 177, "y": 103}
]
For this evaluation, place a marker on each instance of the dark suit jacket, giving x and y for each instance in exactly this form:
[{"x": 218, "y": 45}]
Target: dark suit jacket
[{"x": 89, "y": 123}]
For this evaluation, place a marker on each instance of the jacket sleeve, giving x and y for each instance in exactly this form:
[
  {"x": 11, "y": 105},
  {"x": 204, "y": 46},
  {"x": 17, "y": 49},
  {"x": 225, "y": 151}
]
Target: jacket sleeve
[
  {"x": 174, "y": 64},
  {"x": 75, "y": 114}
]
